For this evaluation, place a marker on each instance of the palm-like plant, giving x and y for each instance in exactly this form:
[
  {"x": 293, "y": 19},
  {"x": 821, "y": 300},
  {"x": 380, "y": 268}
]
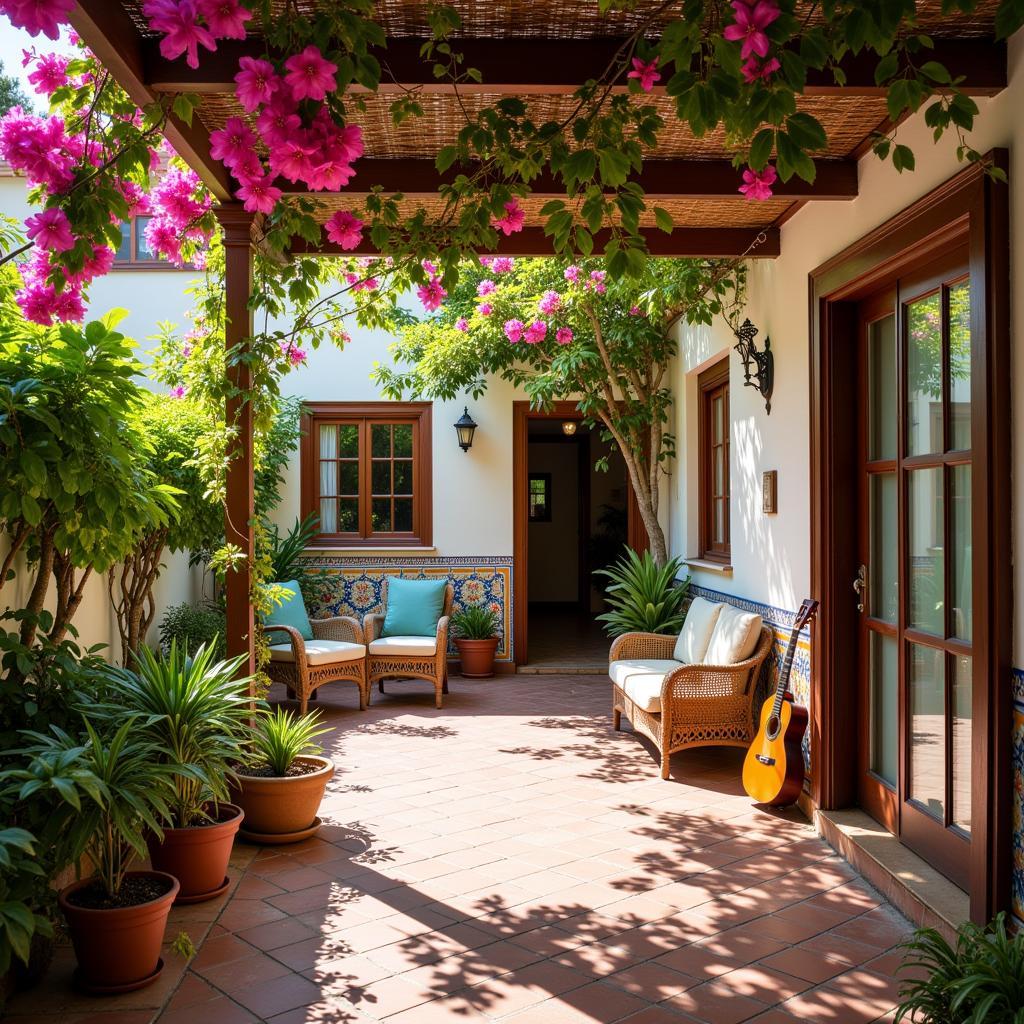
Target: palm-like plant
[
  {"x": 475, "y": 623},
  {"x": 643, "y": 597},
  {"x": 196, "y": 714},
  {"x": 281, "y": 736},
  {"x": 113, "y": 791},
  {"x": 981, "y": 981},
  {"x": 285, "y": 553}
]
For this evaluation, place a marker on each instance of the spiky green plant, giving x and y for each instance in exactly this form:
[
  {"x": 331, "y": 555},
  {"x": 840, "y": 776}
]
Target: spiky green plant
[
  {"x": 475, "y": 623},
  {"x": 282, "y": 736},
  {"x": 981, "y": 981},
  {"x": 113, "y": 791},
  {"x": 642, "y": 597},
  {"x": 286, "y": 553},
  {"x": 196, "y": 712}
]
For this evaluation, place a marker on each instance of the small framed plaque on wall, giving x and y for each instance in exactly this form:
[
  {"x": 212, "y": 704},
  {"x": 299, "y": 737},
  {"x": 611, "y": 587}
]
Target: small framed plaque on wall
[{"x": 770, "y": 492}]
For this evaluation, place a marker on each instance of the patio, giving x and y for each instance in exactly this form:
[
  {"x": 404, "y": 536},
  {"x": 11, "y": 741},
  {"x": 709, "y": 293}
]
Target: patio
[{"x": 510, "y": 857}]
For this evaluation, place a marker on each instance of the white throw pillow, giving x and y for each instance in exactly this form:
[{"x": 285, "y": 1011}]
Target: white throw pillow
[
  {"x": 734, "y": 637},
  {"x": 696, "y": 632}
]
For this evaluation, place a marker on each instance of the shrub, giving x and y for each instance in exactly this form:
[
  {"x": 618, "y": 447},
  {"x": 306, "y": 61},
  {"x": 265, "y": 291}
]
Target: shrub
[
  {"x": 286, "y": 561},
  {"x": 642, "y": 597},
  {"x": 192, "y": 626},
  {"x": 475, "y": 623},
  {"x": 281, "y": 736}
]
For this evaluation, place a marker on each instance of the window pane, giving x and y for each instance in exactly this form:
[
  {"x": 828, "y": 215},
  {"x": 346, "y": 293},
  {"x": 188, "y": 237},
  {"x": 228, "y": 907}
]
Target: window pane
[
  {"x": 924, "y": 375},
  {"x": 328, "y": 515},
  {"x": 349, "y": 437},
  {"x": 403, "y": 514},
  {"x": 349, "y": 478},
  {"x": 963, "y": 693},
  {"x": 884, "y": 695},
  {"x": 960, "y": 366},
  {"x": 925, "y": 537},
  {"x": 717, "y": 417},
  {"x": 123, "y": 253},
  {"x": 403, "y": 440},
  {"x": 380, "y": 443},
  {"x": 380, "y": 515},
  {"x": 403, "y": 477},
  {"x": 719, "y": 521},
  {"x": 142, "y": 249},
  {"x": 883, "y": 573},
  {"x": 381, "y": 474},
  {"x": 328, "y": 442},
  {"x": 348, "y": 515},
  {"x": 928, "y": 729},
  {"x": 962, "y": 624},
  {"x": 328, "y": 478},
  {"x": 882, "y": 388},
  {"x": 718, "y": 483}
]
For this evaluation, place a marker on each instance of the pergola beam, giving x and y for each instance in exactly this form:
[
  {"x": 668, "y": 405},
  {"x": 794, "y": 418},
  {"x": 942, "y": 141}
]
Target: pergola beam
[
  {"x": 660, "y": 179},
  {"x": 557, "y": 66},
  {"x": 723, "y": 243}
]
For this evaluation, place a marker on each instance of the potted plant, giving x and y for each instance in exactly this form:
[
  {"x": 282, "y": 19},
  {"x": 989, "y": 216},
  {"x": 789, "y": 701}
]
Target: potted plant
[
  {"x": 112, "y": 792},
  {"x": 475, "y": 630},
  {"x": 196, "y": 713},
  {"x": 281, "y": 785},
  {"x": 644, "y": 597}
]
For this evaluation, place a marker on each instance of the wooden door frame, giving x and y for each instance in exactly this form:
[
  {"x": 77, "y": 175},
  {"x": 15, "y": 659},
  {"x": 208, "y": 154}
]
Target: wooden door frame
[
  {"x": 972, "y": 206},
  {"x": 636, "y": 536}
]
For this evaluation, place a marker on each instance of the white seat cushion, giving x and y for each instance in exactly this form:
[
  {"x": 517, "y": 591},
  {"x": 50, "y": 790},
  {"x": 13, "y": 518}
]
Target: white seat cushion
[
  {"x": 734, "y": 638},
  {"x": 320, "y": 652},
  {"x": 640, "y": 679},
  {"x": 695, "y": 636},
  {"x": 405, "y": 646}
]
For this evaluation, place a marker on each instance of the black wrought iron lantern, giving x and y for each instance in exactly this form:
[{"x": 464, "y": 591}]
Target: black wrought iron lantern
[
  {"x": 465, "y": 428},
  {"x": 758, "y": 367}
]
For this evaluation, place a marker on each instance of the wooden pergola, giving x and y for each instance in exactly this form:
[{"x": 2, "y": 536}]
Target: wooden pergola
[{"x": 540, "y": 51}]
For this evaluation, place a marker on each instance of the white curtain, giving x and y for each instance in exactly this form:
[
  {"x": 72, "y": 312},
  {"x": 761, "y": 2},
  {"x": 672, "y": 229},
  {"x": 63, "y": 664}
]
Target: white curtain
[{"x": 328, "y": 479}]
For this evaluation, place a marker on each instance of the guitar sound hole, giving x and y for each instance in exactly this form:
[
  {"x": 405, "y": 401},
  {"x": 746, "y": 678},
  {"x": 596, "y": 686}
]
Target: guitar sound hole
[{"x": 772, "y": 729}]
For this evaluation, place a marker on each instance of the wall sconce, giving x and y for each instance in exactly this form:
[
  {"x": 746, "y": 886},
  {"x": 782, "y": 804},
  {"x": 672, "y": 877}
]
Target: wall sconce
[
  {"x": 465, "y": 428},
  {"x": 569, "y": 428},
  {"x": 762, "y": 376}
]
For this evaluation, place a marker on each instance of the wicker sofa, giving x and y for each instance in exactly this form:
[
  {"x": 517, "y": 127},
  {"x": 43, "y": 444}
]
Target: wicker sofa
[{"x": 678, "y": 705}]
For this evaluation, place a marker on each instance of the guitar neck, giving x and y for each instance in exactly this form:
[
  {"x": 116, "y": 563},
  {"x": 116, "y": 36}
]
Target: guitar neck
[{"x": 787, "y": 665}]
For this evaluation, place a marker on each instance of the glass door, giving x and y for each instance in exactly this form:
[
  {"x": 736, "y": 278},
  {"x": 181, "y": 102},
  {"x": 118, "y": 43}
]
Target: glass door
[{"x": 915, "y": 580}]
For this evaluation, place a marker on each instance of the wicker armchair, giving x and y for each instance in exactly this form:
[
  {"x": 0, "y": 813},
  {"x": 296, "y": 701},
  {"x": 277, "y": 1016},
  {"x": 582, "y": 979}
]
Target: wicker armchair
[
  {"x": 701, "y": 705},
  {"x": 427, "y": 659},
  {"x": 303, "y": 669}
]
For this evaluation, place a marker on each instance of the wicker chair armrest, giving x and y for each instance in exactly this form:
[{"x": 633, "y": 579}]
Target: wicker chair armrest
[
  {"x": 372, "y": 625},
  {"x": 298, "y": 644},
  {"x": 642, "y": 645},
  {"x": 442, "y": 635},
  {"x": 340, "y": 627}
]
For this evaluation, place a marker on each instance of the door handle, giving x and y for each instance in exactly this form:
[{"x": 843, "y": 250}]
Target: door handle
[{"x": 860, "y": 586}]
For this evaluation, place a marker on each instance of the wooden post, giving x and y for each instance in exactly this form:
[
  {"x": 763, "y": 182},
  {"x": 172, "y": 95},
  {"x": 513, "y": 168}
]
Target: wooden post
[{"x": 239, "y": 511}]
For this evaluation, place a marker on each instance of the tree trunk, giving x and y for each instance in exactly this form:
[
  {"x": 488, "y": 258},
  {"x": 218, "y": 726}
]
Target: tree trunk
[
  {"x": 37, "y": 597},
  {"x": 135, "y": 609}
]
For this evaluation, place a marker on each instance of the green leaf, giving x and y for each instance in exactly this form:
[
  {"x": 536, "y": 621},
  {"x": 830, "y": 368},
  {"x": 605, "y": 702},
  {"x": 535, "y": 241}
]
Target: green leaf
[
  {"x": 446, "y": 156},
  {"x": 663, "y": 220}
]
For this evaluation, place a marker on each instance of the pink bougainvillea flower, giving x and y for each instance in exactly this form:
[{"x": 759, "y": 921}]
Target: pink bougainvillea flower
[
  {"x": 344, "y": 229},
  {"x": 256, "y": 83},
  {"x": 646, "y": 73},
  {"x": 432, "y": 294},
  {"x": 563, "y": 335},
  {"x": 597, "y": 281},
  {"x": 549, "y": 302},
  {"x": 233, "y": 144},
  {"x": 225, "y": 18},
  {"x": 485, "y": 287},
  {"x": 179, "y": 392},
  {"x": 50, "y": 73},
  {"x": 98, "y": 264},
  {"x": 635, "y": 311},
  {"x": 485, "y": 309},
  {"x": 182, "y": 33},
  {"x": 514, "y": 330},
  {"x": 41, "y": 148},
  {"x": 362, "y": 284},
  {"x": 751, "y": 21},
  {"x": 35, "y": 16},
  {"x": 486, "y": 261},
  {"x": 462, "y": 324},
  {"x": 536, "y": 332},
  {"x": 754, "y": 70},
  {"x": 310, "y": 75},
  {"x": 51, "y": 229},
  {"x": 512, "y": 221},
  {"x": 757, "y": 185},
  {"x": 259, "y": 196},
  {"x": 429, "y": 266},
  {"x": 186, "y": 351},
  {"x": 278, "y": 121},
  {"x": 572, "y": 273},
  {"x": 503, "y": 265},
  {"x": 295, "y": 355}
]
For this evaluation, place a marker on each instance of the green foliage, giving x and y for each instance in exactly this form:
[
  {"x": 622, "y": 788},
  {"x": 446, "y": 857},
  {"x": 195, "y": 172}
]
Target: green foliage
[
  {"x": 12, "y": 95},
  {"x": 21, "y": 879},
  {"x": 475, "y": 622},
  {"x": 195, "y": 713},
  {"x": 980, "y": 981},
  {"x": 281, "y": 736},
  {"x": 643, "y": 597},
  {"x": 286, "y": 553},
  {"x": 191, "y": 626},
  {"x": 275, "y": 451}
]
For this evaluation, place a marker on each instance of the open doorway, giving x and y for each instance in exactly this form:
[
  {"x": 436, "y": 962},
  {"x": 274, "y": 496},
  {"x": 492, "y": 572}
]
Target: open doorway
[{"x": 572, "y": 518}]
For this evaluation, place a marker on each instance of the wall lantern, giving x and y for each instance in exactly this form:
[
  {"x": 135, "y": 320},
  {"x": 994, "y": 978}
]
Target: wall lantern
[
  {"x": 569, "y": 428},
  {"x": 762, "y": 375},
  {"x": 465, "y": 428}
]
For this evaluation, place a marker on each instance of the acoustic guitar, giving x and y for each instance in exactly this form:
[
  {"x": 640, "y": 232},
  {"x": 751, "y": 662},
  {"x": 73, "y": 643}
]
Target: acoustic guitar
[{"x": 773, "y": 770}]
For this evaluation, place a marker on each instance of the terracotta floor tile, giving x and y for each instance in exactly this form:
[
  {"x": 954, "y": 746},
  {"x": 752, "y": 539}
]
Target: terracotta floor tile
[
  {"x": 276, "y": 934},
  {"x": 716, "y": 1004},
  {"x": 762, "y": 983},
  {"x": 216, "y": 1011},
  {"x": 652, "y": 981},
  {"x": 806, "y": 964},
  {"x": 603, "y": 1003}
]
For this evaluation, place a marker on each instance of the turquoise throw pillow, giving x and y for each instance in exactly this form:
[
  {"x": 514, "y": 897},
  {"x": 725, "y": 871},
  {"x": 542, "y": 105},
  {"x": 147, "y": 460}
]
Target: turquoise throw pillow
[
  {"x": 414, "y": 607},
  {"x": 291, "y": 612}
]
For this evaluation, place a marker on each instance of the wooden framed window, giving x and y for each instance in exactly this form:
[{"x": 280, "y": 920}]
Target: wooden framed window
[
  {"x": 540, "y": 498},
  {"x": 366, "y": 473},
  {"x": 134, "y": 252},
  {"x": 713, "y": 445}
]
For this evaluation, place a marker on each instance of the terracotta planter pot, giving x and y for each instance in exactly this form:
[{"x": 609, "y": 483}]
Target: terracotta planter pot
[
  {"x": 477, "y": 657},
  {"x": 198, "y": 856},
  {"x": 118, "y": 950},
  {"x": 280, "y": 807}
]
